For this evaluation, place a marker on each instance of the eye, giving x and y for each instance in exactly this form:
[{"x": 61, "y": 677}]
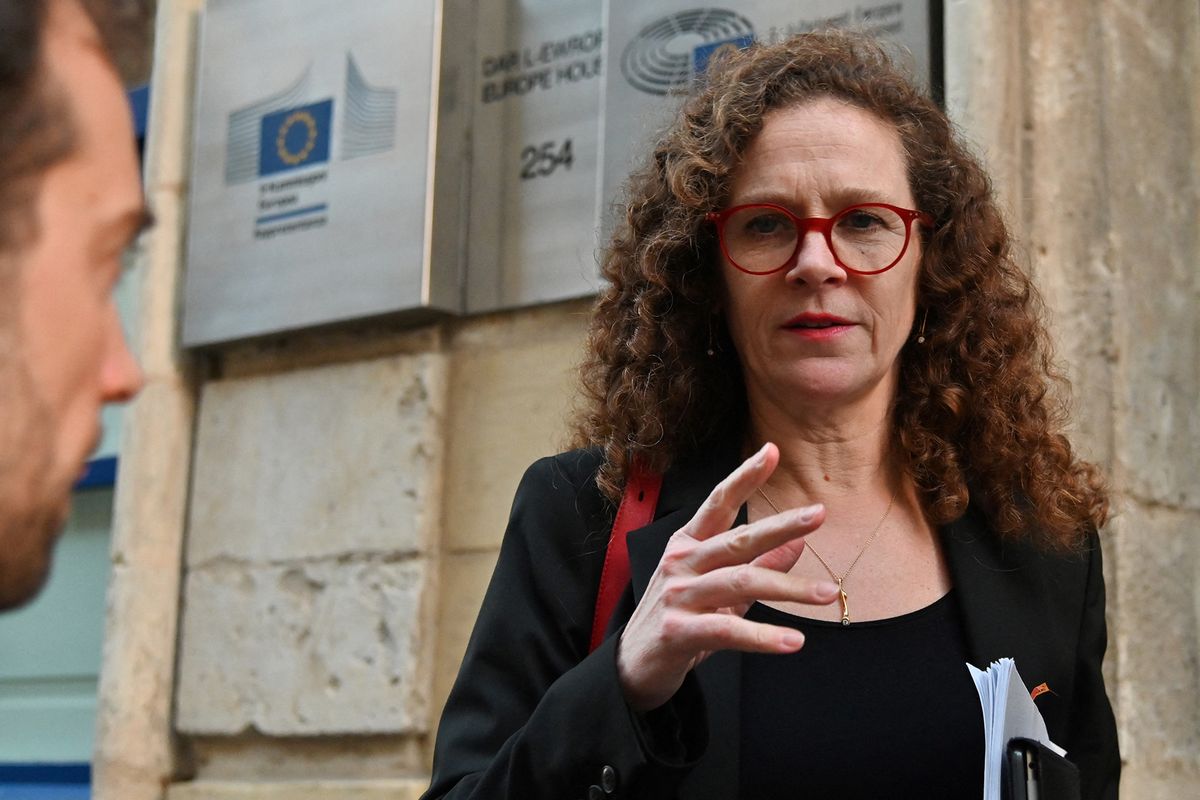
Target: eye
[
  {"x": 869, "y": 223},
  {"x": 764, "y": 222},
  {"x": 862, "y": 219}
]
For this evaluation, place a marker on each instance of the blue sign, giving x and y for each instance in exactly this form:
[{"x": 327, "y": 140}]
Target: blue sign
[
  {"x": 704, "y": 53},
  {"x": 295, "y": 138}
]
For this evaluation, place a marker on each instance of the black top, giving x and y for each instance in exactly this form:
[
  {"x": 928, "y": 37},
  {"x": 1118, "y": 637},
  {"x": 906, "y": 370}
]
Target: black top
[{"x": 884, "y": 708}]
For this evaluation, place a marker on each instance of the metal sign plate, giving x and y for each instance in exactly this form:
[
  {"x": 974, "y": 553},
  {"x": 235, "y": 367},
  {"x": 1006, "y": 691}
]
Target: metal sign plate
[
  {"x": 311, "y": 178},
  {"x": 535, "y": 130}
]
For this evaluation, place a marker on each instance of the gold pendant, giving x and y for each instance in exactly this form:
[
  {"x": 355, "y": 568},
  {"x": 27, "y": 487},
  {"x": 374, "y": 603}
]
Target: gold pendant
[{"x": 845, "y": 598}]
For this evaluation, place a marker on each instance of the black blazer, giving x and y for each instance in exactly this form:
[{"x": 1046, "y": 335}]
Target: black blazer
[{"x": 532, "y": 715}]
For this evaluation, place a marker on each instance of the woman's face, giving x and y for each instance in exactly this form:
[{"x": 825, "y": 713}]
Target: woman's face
[{"x": 816, "y": 159}]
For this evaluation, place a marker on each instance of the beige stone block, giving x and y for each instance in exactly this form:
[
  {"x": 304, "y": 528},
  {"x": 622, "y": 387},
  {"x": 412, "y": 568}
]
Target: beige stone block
[
  {"x": 320, "y": 462},
  {"x": 1066, "y": 240},
  {"x": 305, "y": 648},
  {"x": 1024, "y": 82},
  {"x": 353, "y": 757},
  {"x": 1157, "y": 638},
  {"x": 1154, "y": 60},
  {"x": 985, "y": 85},
  {"x": 395, "y": 789},
  {"x": 511, "y": 386},
  {"x": 1140, "y": 783},
  {"x": 464, "y": 579},
  {"x": 304, "y": 349},
  {"x": 506, "y": 329},
  {"x": 1159, "y": 430}
]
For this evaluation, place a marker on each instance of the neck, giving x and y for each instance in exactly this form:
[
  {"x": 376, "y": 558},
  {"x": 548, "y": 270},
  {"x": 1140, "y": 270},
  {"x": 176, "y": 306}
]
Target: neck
[{"x": 827, "y": 453}]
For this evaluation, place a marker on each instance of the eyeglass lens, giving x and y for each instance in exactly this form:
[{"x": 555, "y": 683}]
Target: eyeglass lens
[{"x": 866, "y": 238}]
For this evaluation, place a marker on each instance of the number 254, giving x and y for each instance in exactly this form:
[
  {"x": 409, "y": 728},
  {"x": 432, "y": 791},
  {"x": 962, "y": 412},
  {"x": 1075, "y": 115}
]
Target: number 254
[{"x": 541, "y": 160}]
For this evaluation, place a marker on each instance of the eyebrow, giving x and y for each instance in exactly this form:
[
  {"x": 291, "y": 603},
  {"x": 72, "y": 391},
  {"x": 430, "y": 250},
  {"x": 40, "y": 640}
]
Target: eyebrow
[
  {"x": 855, "y": 194},
  {"x": 129, "y": 225},
  {"x": 842, "y": 197}
]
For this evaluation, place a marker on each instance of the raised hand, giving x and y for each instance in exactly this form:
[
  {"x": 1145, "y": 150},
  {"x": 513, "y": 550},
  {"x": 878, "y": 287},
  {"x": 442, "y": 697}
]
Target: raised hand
[{"x": 707, "y": 579}]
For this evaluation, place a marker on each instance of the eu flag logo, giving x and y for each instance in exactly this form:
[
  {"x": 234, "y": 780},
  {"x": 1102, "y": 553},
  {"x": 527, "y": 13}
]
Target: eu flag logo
[
  {"x": 705, "y": 52},
  {"x": 295, "y": 138}
]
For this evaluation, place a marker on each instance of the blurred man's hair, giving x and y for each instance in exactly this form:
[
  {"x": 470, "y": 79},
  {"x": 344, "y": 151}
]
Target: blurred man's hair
[{"x": 36, "y": 129}]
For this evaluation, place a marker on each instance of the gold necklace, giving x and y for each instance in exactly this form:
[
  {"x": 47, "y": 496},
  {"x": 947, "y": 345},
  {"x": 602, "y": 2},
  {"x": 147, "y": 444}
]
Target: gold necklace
[{"x": 841, "y": 579}]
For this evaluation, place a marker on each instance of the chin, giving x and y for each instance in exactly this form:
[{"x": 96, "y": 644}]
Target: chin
[
  {"x": 35, "y": 492},
  {"x": 25, "y": 567},
  {"x": 28, "y": 534},
  {"x": 825, "y": 389},
  {"x": 827, "y": 383}
]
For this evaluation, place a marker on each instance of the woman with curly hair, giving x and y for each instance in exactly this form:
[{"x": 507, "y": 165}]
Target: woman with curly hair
[{"x": 816, "y": 343}]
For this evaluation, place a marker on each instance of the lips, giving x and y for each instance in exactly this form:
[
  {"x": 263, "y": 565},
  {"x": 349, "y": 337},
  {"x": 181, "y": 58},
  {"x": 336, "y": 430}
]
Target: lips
[
  {"x": 811, "y": 321},
  {"x": 818, "y": 327}
]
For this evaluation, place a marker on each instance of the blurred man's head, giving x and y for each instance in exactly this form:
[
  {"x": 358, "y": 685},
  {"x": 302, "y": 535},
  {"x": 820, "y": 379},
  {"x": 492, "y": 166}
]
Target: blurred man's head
[{"x": 70, "y": 204}]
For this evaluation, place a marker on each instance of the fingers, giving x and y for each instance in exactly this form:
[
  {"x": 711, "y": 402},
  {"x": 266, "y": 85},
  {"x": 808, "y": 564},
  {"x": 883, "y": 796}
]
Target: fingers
[
  {"x": 651, "y": 668},
  {"x": 721, "y": 507},
  {"x": 741, "y": 585},
  {"x": 785, "y": 556},
  {"x": 711, "y": 632},
  {"x": 776, "y": 538}
]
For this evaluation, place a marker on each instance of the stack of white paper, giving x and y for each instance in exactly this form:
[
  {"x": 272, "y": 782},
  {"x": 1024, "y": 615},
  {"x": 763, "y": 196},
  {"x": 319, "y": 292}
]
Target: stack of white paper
[{"x": 1008, "y": 711}]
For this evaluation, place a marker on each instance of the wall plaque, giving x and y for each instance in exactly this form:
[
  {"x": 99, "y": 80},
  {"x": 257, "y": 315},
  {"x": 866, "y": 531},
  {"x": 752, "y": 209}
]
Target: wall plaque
[
  {"x": 534, "y": 144},
  {"x": 313, "y": 194}
]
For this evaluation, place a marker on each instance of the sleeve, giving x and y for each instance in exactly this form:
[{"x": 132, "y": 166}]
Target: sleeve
[
  {"x": 1093, "y": 730},
  {"x": 531, "y": 714}
]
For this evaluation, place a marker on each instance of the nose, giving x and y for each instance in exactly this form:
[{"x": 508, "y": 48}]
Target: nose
[
  {"x": 121, "y": 378},
  {"x": 814, "y": 264}
]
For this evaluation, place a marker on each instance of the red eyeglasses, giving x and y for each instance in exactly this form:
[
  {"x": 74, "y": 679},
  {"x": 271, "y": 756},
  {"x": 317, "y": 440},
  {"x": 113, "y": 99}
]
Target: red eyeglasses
[{"x": 866, "y": 238}]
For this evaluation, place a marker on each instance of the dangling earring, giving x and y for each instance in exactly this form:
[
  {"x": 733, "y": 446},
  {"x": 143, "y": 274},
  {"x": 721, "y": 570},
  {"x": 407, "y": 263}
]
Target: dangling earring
[
  {"x": 712, "y": 350},
  {"x": 921, "y": 335}
]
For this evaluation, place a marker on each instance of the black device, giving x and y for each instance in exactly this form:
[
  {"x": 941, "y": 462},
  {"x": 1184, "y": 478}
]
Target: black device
[{"x": 1032, "y": 771}]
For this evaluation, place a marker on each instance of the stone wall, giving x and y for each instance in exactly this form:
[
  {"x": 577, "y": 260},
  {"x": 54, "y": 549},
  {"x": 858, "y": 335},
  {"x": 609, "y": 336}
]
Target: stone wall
[
  {"x": 348, "y": 493},
  {"x": 341, "y": 494},
  {"x": 1087, "y": 112}
]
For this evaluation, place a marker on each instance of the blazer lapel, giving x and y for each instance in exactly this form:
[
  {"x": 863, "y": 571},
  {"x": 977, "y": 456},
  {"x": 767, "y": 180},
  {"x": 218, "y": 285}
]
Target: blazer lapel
[
  {"x": 983, "y": 584},
  {"x": 1010, "y": 608},
  {"x": 684, "y": 488},
  {"x": 716, "y": 776}
]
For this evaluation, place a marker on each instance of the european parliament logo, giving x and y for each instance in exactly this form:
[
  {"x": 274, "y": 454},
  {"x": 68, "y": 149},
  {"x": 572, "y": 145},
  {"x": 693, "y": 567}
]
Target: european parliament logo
[
  {"x": 295, "y": 138},
  {"x": 671, "y": 51},
  {"x": 706, "y": 52}
]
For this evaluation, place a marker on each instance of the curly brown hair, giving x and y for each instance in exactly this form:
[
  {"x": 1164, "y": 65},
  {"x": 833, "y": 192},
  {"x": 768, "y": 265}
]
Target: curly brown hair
[{"x": 974, "y": 411}]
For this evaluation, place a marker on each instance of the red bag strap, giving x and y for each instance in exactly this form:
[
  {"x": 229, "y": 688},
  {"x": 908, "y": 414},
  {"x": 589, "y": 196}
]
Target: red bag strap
[{"x": 636, "y": 510}]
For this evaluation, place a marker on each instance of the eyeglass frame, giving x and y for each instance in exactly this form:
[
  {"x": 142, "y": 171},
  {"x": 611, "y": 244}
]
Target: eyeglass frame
[{"x": 824, "y": 225}]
